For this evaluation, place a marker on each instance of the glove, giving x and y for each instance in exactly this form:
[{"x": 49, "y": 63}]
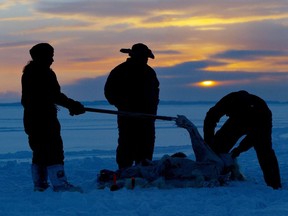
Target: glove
[
  {"x": 235, "y": 152},
  {"x": 76, "y": 108}
]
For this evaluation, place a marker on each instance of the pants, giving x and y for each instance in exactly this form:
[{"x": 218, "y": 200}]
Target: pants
[
  {"x": 136, "y": 140},
  {"x": 44, "y": 138},
  {"x": 258, "y": 136}
]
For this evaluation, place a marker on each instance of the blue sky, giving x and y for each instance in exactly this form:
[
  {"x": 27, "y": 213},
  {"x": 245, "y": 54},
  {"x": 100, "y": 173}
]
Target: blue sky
[{"x": 238, "y": 44}]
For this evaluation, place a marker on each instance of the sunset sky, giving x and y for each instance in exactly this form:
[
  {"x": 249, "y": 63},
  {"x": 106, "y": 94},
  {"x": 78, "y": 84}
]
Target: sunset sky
[{"x": 203, "y": 49}]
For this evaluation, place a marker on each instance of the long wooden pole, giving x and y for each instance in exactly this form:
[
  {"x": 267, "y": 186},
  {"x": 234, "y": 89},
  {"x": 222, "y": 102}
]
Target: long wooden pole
[{"x": 130, "y": 114}]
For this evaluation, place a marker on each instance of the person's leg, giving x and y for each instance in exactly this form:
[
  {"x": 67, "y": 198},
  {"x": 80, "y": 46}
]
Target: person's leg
[
  {"x": 125, "y": 149},
  {"x": 51, "y": 154},
  {"x": 39, "y": 177},
  {"x": 45, "y": 141},
  {"x": 40, "y": 142},
  {"x": 59, "y": 180},
  {"x": 145, "y": 139},
  {"x": 267, "y": 158},
  {"x": 269, "y": 165}
]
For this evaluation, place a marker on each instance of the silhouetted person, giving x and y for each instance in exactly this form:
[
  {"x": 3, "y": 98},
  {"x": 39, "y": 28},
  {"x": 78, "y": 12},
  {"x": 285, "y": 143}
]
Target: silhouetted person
[
  {"x": 247, "y": 115},
  {"x": 133, "y": 87},
  {"x": 40, "y": 96}
]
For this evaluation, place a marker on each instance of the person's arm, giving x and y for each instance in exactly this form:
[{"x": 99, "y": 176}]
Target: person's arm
[
  {"x": 213, "y": 116},
  {"x": 110, "y": 88},
  {"x": 243, "y": 146},
  {"x": 114, "y": 90},
  {"x": 74, "y": 107},
  {"x": 210, "y": 122}
]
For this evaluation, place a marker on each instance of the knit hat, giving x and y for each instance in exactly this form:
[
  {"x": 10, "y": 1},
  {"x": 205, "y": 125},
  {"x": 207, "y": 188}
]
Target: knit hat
[{"x": 41, "y": 50}]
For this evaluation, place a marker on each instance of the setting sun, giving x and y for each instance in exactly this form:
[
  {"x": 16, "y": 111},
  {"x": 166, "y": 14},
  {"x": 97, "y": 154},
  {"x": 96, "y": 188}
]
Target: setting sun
[{"x": 206, "y": 83}]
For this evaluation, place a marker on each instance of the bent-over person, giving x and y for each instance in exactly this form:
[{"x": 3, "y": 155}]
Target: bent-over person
[{"x": 249, "y": 116}]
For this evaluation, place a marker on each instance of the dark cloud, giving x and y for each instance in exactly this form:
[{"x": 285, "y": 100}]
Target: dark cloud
[
  {"x": 167, "y": 52},
  {"x": 265, "y": 35},
  {"x": 111, "y": 8},
  {"x": 223, "y": 8},
  {"x": 102, "y": 8},
  {"x": 187, "y": 68},
  {"x": 267, "y": 85},
  {"x": 175, "y": 84},
  {"x": 90, "y": 89},
  {"x": 85, "y": 59},
  {"x": 249, "y": 54}
]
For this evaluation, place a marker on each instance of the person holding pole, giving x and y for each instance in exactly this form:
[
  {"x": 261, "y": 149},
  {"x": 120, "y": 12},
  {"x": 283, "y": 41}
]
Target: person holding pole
[
  {"x": 133, "y": 86},
  {"x": 41, "y": 94}
]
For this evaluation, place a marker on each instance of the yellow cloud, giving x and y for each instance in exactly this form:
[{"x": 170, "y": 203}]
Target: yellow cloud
[
  {"x": 210, "y": 21},
  {"x": 6, "y": 4},
  {"x": 163, "y": 19}
]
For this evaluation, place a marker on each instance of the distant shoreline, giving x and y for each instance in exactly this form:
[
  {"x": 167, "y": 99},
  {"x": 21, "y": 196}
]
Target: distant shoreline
[{"x": 103, "y": 102}]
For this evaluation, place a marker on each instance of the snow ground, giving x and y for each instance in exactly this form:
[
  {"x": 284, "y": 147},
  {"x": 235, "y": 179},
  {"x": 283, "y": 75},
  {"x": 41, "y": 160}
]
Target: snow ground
[{"x": 89, "y": 142}]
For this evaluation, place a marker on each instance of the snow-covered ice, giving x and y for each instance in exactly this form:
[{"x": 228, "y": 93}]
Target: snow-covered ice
[{"x": 90, "y": 143}]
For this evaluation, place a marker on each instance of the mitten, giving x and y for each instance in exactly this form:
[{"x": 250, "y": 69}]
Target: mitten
[{"x": 76, "y": 108}]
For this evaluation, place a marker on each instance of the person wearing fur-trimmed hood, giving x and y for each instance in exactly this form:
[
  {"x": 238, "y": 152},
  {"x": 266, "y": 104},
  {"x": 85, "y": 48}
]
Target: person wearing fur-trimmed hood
[{"x": 41, "y": 94}]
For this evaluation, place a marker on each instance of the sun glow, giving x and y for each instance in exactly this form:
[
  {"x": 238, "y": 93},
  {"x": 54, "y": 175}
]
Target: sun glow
[
  {"x": 213, "y": 83},
  {"x": 207, "y": 83}
]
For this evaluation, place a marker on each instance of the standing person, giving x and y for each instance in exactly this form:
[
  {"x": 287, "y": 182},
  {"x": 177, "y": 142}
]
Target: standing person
[
  {"x": 133, "y": 87},
  {"x": 40, "y": 96},
  {"x": 247, "y": 115}
]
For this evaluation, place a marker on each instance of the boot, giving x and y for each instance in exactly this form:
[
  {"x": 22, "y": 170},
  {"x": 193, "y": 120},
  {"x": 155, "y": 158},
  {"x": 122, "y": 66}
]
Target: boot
[
  {"x": 39, "y": 177},
  {"x": 59, "y": 181}
]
